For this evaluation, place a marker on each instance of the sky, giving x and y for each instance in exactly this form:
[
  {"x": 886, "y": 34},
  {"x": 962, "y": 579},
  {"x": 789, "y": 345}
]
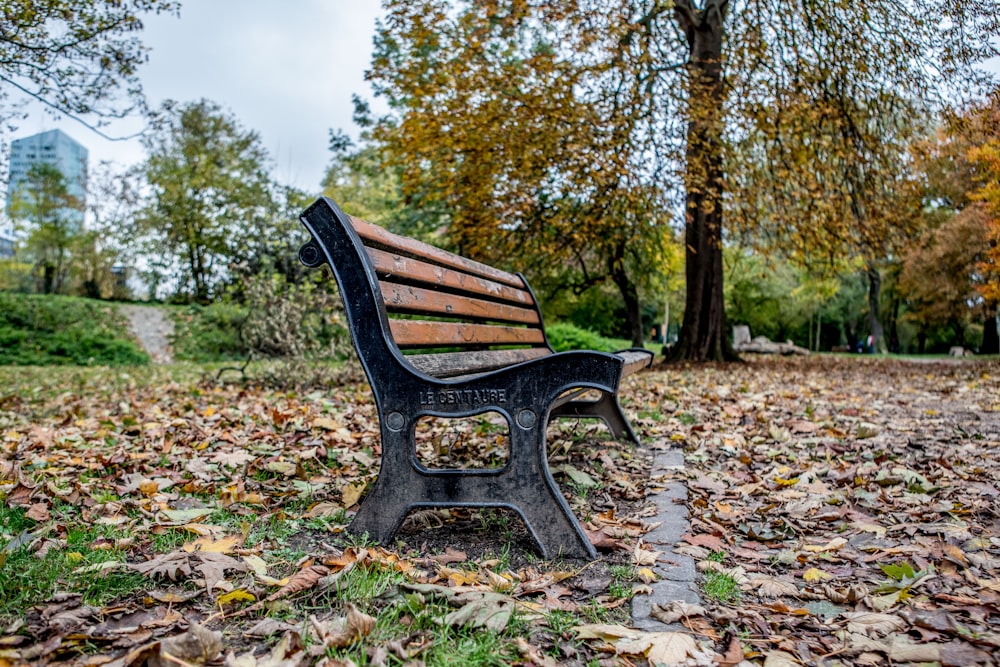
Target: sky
[{"x": 284, "y": 69}]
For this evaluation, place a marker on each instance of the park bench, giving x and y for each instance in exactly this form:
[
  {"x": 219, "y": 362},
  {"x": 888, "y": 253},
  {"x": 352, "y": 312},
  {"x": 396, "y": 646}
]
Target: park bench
[{"x": 440, "y": 335}]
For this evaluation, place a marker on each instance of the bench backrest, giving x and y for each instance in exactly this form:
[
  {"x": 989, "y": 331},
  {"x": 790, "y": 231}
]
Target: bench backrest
[{"x": 451, "y": 315}]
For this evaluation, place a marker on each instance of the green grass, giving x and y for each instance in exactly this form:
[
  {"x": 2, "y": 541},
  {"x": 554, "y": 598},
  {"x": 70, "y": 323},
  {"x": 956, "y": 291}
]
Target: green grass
[
  {"x": 401, "y": 614},
  {"x": 720, "y": 586},
  {"x": 27, "y": 578},
  {"x": 61, "y": 330}
]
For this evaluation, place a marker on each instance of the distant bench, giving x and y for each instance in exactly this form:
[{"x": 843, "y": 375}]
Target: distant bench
[{"x": 474, "y": 342}]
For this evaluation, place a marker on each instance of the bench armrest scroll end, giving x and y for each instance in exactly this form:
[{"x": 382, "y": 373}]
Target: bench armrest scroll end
[{"x": 311, "y": 255}]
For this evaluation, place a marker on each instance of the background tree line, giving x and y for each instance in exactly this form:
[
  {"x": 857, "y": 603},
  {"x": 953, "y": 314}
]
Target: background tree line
[{"x": 599, "y": 146}]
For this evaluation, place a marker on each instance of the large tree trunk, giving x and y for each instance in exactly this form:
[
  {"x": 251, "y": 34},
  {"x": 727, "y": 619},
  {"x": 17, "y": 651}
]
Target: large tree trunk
[
  {"x": 874, "y": 314},
  {"x": 703, "y": 334},
  {"x": 991, "y": 337}
]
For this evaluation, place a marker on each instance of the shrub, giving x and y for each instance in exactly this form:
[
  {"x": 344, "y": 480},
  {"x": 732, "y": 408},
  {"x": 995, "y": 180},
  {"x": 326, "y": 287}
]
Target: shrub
[
  {"x": 272, "y": 319},
  {"x": 292, "y": 320},
  {"x": 564, "y": 336},
  {"x": 209, "y": 333},
  {"x": 42, "y": 330}
]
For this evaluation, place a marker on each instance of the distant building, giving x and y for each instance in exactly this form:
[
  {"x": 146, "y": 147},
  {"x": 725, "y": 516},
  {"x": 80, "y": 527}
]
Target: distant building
[
  {"x": 54, "y": 147},
  {"x": 8, "y": 242}
]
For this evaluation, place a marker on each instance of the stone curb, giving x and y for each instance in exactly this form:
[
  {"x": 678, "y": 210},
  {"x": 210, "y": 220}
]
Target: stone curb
[{"x": 676, "y": 573}]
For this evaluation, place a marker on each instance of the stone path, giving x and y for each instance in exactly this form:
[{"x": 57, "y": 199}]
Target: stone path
[
  {"x": 677, "y": 573},
  {"x": 152, "y": 328}
]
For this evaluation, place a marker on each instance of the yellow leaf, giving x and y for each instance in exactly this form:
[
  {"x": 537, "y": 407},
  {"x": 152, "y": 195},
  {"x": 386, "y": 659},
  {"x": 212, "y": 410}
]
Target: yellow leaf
[
  {"x": 786, "y": 482},
  {"x": 149, "y": 488},
  {"x": 461, "y": 577},
  {"x": 812, "y": 575},
  {"x": 208, "y": 412},
  {"x": 351, "y": 493},
  {"x": 239, "y": 595},
  {"x": 647, "y": 575},
  {"x": 326, "y": 424},
  {"x": 224, "y": 545}
]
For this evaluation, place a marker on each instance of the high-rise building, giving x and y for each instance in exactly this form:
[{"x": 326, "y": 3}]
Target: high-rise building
[
  {"x": 54, "y": 147},
  {"x": 8, "y": 241}
]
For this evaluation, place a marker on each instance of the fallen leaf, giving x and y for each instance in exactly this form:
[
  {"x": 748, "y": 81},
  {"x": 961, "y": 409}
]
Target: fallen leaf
[
  {"x": 675, "y": 611},
  {"x": 450, "y": 555},
  {"x": 197, "y": 646},
  {"x": 351, "y": 493},
  {"x": 238, "y": 595},
  {"x": 780, "y": 659},
  {"x": 660, "y": 648},
  {"x": 813, "y": 575},
  {"x": 226, "y": 545},
  {"x": 345, "y": 630}
]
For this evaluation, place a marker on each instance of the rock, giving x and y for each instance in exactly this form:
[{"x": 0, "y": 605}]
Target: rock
[{"x": 741, "y": 335}]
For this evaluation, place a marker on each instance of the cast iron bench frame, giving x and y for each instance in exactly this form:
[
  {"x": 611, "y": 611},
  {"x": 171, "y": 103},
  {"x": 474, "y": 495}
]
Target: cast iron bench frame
[{"x": 504, "y": 364}]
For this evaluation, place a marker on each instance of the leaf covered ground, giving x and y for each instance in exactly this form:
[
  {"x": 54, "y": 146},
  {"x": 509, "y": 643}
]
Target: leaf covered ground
[{"x": 843, "y": 511}]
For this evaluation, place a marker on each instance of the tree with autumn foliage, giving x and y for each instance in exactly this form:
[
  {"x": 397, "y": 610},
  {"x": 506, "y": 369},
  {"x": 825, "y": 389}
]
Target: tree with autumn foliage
[
  {"x": 545, "y": 129},
  {"x": 502, "y": 132},
  {"x": 960, "y": 167}
]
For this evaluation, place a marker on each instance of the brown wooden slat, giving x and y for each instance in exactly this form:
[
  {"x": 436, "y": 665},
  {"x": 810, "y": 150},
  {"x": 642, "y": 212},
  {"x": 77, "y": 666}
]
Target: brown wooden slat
[
  {"x": 416, "y": 333},
  {"x": 386, "y": 240},
  {"x": 397, "y": 267},
  {"x": 408, "y": 299},
  {"x": 635, "y": 360},
  {"x": 451, "y": 364}
]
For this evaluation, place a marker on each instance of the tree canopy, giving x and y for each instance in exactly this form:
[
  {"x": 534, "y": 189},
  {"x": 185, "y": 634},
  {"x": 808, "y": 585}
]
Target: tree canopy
[
  {"x": 78, "y": 57},
  {"x": 51, "y": 215},
  {"x": 212, "y": 201},
  {"x": 567, "y": 129}
]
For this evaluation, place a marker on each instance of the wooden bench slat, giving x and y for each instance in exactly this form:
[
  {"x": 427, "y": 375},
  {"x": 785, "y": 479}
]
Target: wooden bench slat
[
  {"x": 634, "y": 360},
  {"x": 386, "y": 240},
  {"x": 398, "y": 267},
  {"x": 407, "y": 299},
  {"x": 417, "y": 333},
  {"x": 453, "y": 364}
]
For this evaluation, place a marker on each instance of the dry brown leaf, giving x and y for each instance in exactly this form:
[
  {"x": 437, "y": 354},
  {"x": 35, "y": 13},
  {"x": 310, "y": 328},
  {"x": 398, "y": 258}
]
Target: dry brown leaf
[
  {"x": 733, "y": 655},
  {"x": 873, "y": 624},
  {"x": 642, "y": 556},
  {"x": 675, "y": 611},
  {"x": 771, "y": 587},
  {"x": 780, "y": 659},
  {"x": 660, "y": 648},
  {"x": 450, "y": 555},
  {"x": 345, "y": 630},
  {"x": 287, "y": 653},
  {"x": 197, "y": 646},
  {"x": 533, "y": 657}
]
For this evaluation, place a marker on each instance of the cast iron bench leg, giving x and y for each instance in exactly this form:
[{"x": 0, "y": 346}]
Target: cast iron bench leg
[
  {"x": 525, "y": 485},
  {"x": 606, "y": 408}
]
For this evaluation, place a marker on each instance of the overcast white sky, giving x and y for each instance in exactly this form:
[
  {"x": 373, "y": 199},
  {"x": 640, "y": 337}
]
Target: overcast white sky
[{"x": 285, "y": 69}]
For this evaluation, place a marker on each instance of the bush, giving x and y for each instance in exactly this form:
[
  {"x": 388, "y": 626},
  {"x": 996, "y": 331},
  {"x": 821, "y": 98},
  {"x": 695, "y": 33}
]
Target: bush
[
  {"x": 292, "y": 320},
  {"x": 42, "y": 330},
  {"x": 564, "y": 337},
  {"x": 209, "y": 333},
  {"x": 273, "y": 319}
]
